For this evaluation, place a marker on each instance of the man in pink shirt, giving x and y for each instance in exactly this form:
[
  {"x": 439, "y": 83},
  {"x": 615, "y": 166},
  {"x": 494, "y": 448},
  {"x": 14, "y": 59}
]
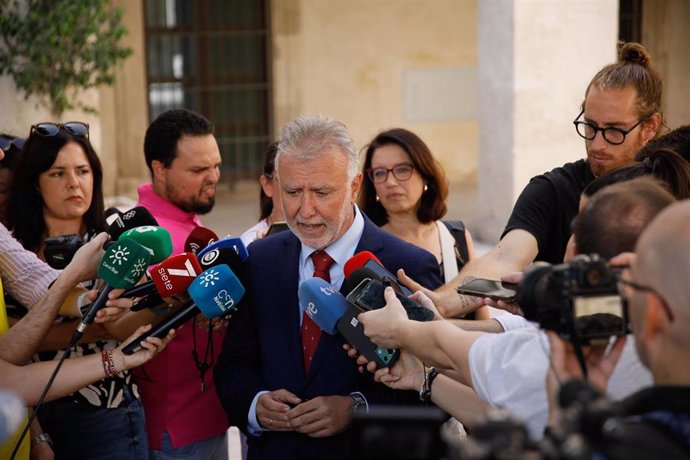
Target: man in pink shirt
[{"x": 184, "y": 418}]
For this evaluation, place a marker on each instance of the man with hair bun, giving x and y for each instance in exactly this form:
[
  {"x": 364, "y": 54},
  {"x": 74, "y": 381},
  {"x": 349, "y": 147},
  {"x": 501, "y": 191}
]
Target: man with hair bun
[{"x": 621, "y": 112}]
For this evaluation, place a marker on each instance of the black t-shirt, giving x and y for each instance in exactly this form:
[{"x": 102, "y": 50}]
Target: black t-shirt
[{"x": 547, "y": 206}]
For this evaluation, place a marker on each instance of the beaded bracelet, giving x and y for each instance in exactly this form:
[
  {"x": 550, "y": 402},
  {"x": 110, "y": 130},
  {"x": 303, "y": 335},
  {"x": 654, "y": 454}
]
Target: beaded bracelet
[{"x": 108, "y": 364}]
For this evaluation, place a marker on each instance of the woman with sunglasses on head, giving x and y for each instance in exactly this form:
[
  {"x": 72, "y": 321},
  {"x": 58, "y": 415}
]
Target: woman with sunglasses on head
[
  {"x": 404, "y": 192},
  {"x": 58, "y": 191}
]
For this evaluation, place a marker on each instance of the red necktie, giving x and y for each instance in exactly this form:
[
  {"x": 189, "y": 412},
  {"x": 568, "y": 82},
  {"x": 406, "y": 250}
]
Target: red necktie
[{"x": 310, "y": 331}]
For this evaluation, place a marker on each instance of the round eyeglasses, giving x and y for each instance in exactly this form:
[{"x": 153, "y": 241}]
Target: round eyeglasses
[
  {"x": 401, "y": 172},
  {"x": 8, "y": 142},
  {"x": 614, "y": 136}
]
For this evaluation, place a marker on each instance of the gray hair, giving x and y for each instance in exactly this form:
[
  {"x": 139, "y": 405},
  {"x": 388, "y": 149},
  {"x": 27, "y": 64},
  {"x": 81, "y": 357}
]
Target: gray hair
[{"x": 308, "y": 135}]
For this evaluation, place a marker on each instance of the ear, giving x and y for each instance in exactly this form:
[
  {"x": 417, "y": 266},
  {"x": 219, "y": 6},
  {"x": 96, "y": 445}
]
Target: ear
[
  {"x": 158, "y": 169},
  {"x": 651, "y": 127},
  {"x": 356, "y": 185},
  {"x": 266, "y": 185},
  {"x": 656, "y": 320}
]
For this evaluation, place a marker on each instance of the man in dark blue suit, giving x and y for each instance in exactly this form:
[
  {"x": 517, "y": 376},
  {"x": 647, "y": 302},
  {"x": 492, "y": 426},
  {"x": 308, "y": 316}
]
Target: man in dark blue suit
[{"x": 288, "y": 404}]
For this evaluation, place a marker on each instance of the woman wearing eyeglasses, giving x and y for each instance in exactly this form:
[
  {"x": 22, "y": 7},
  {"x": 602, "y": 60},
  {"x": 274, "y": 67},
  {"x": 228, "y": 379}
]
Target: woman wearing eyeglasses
[
  {"x": 58, "y": 191},
  {"x": 404, "y": 192}
]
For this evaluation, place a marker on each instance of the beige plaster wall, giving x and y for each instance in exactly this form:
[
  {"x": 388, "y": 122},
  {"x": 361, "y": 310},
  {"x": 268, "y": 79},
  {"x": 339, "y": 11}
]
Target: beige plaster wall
[{"x": 358, "y": 61}]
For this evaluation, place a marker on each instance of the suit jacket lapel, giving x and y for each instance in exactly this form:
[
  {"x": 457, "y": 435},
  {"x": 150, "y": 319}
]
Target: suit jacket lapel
[{"x": 288, "y": 280}]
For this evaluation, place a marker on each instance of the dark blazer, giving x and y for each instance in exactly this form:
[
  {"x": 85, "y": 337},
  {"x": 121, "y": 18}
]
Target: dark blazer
[{"x": 263, "y": 351}]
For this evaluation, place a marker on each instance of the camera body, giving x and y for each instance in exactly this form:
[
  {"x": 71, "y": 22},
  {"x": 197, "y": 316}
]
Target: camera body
[
  {"x": 579, "y": 299},
  {"x": 58, "y": 251}
]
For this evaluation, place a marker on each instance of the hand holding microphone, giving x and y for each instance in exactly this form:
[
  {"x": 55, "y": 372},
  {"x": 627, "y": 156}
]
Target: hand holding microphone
[
  {"x": 333, "y": 314},
  {"x": 215, "y": 292}
]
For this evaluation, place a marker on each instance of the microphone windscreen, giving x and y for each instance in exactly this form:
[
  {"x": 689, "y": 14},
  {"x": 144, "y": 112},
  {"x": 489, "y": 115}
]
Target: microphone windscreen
[
  {"x": 219, "y": 256},
  {"x": 174, "y": 275},
  {"x": 123, "y": 264},
  {"x": 216, "y": 291},
  {"x": 135, "y": 217},
  {"x": 198, "y": 239},
  {"x": 357, "y": 261},
  {"x": 235, "y": 244},
  {"x": 322, "y": 302},
  {"x": 155, "y": 239}
]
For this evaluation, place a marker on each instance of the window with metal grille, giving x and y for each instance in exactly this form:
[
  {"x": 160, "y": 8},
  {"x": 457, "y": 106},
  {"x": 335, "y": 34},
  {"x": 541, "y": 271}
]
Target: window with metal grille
[{"x": 212, "y": 56}]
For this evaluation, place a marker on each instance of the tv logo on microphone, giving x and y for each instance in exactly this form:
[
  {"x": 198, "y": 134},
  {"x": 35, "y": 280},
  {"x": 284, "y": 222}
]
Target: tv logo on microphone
[
  {"x": 210, "y": 278},
  {"x": 312, "y": 310},
  {"x": 210, "y": 257},
  {"x": 224, "y": 301}
]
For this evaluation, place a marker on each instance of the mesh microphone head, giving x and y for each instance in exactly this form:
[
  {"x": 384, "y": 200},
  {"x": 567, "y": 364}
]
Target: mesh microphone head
[
  {"x": 198, "y": 239},
  {"x": 135, "y": 217},
  {"x": 216, "y": 291}
]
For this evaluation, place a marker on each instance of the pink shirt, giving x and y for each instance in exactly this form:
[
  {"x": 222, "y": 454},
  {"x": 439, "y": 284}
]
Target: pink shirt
[{"x": 169, "y": 384}]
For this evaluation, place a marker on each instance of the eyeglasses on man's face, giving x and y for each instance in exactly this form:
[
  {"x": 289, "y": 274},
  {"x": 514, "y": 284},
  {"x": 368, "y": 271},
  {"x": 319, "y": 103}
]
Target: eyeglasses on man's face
[
  {"x": 7, "y": 142},
  {"x": 401, "y": 172},
  {"x": 622, "y": 283},
  {"x": 614, "y": 136},
  {"x": 75, "y": 128}
]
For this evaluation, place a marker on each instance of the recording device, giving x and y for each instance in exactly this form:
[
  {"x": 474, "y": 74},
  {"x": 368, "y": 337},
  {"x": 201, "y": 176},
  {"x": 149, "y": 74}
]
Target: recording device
[
  {"x": 277, "y": 227},
  {"x": 397, "y": 432},
  {"x": 578, "y": 300},
  {"x": 215, "y": 292},
  {"x": 198, "y": 239},
  {"x": 169, "y": 277},
  {"x": 332, "y": 313},
  {"x": 497, "y": 290},
  {"x": 121, "y": 267},
  {"x": 59, "y": 250},
  {"x": 378, "y": 271},
  {"x": 368, "y": 295},
  {"x": 155, "y": 239},
  {"x": 235, "y": 244}
]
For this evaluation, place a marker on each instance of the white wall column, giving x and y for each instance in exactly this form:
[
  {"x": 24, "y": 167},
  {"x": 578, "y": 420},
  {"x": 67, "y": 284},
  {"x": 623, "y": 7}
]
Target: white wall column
[{"x": 536, "y": 58}]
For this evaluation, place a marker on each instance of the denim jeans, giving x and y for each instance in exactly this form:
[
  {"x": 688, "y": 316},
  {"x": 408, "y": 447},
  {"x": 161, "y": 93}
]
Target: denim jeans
[
  {"x": 82, "y": 431},
  {"x": 209, "y": 449}
]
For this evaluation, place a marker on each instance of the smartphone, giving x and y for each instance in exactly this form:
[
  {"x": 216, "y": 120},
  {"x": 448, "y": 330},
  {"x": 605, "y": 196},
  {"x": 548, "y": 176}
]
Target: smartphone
[
  {"x": 480, "y": 287},
  {"x": 277, "y": 227},
  {"x": 368, "y": 295}
]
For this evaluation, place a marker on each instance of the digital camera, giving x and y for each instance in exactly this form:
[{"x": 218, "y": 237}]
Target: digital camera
[{"x": 578, "y": 300}]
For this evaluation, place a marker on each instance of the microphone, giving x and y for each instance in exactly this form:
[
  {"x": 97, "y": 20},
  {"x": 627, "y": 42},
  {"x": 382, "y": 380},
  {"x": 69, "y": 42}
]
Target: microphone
[
  {"x": 218, "y": 256},
  {"x": 198, "y": 239},
  {"x": 155, "y": 239},
  {"x": 235, "y": 244},
  {"x": 215, "y": 292},
  {"x": 122, "y": 266},
  {"x": 332, "y": 313},
  {"x": 370, "y": 261},
  {"x": 135, "y": 217},
  {"x": 368, "y": 295},
  {"x": 169, "y": 277}
]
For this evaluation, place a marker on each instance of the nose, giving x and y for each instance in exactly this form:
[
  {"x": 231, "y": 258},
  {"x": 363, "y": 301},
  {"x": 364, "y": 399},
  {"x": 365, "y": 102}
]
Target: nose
[
  {"x": 214, "y": 175},
  {"x": 307, "y": 206},
  {"x": 598, "y": 143},
  {"x": 390, "y": 179},
  {"x": 72, "y": 180}
]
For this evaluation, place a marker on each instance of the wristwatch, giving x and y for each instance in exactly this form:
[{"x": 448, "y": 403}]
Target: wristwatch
[
  {"x": 358, "y": 403},
  {"x": 39, "y": 438}
]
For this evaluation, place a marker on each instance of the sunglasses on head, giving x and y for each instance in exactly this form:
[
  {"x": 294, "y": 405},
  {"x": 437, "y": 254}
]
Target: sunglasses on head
[
  {"x": 8, "y": 142},
  {"x": 76, "y": 128}
]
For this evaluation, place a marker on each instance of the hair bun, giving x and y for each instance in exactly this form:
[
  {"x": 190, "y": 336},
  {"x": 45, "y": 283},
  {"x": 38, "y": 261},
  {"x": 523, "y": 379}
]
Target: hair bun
[{"x": 634, "y": 53}]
